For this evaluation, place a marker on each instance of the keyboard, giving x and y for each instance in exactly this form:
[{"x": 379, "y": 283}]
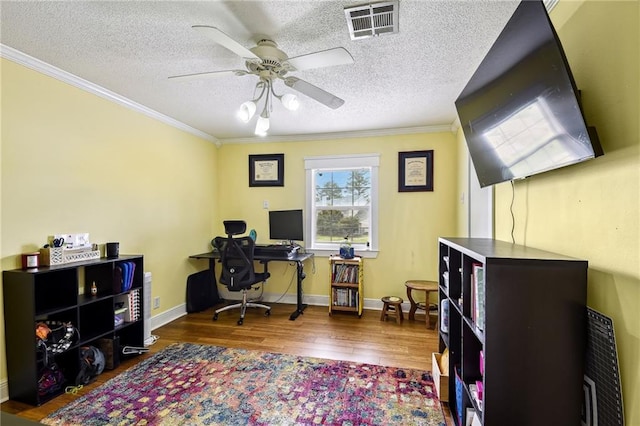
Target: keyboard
[{"x": 274, "y": 250}]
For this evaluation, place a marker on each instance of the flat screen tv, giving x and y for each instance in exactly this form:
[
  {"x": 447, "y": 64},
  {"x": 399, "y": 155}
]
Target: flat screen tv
[
  {"x": 286, "y": 225},
  {"x": 520, "y": 111}
]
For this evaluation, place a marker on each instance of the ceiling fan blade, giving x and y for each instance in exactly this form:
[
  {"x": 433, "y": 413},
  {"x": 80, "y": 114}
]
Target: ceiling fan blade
[
  {"x": 224, "y": 40},
  {"x": 314, "y": 92},
  {"x": 210, "y": 74},
  {"x": 324, "y": 58}
]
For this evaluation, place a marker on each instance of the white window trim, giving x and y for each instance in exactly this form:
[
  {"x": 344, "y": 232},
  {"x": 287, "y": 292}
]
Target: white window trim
[{"x": 346, "y": 161}]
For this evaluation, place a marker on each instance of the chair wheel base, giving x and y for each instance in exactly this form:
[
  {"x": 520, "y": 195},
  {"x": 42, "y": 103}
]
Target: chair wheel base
[
  {"x": 215, "y": 317},
  {"x": 266, "y": 314},
  {"x": 240, "y": 321}
]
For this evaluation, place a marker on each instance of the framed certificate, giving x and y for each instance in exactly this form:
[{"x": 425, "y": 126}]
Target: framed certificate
[
  {"x": 266, "y": 170},
  {"x": 415, "y": 171}
]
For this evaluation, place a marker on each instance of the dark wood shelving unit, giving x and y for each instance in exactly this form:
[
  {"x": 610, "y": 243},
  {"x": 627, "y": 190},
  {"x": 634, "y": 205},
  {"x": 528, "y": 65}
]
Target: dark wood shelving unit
[
  {"x": 533, "y": 339},
  {"x": 63, "y": 293}
]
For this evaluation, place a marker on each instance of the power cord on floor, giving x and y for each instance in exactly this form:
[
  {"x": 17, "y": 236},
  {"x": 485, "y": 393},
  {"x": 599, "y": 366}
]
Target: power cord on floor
[
  {"x": 151, "y": 340},
  {"x": 134, "y": 350}
]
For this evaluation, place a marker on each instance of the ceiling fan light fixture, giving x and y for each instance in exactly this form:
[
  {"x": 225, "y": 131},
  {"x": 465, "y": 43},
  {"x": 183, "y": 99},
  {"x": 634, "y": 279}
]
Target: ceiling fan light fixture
[
  {"x": 262, "y": 125},
  {"x": 290, "y": 101},
  {"x": 246, "y": 111},
  {"x": 267, "y": 62}
]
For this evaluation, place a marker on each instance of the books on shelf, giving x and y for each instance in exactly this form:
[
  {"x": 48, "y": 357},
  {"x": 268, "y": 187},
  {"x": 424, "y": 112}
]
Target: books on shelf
[
  {"x": 445, "y": 274},
  {"x": 469, "y": 416},
  {"x": 475, "y": 421},
  {"x": 346, "y": 297},
  {"x": 477, "y": 295},
  {"x": 445, "y": 281},
  {"x": 345, "y": 273},
  {"x": 479, "y": 387},
  {"x": 459, "y": 391},
  {"x": 473, "y": 390},
  {"x": 444, "y": 315},
  {"x": 131, "y": 303},
  {"x": 123, "y": 277}
]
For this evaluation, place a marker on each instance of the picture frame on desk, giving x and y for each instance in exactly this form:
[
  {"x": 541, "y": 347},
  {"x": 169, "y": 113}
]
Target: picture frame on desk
[
  {"x": 415, "y": 171},
  {"x": 266, "y": 170}
]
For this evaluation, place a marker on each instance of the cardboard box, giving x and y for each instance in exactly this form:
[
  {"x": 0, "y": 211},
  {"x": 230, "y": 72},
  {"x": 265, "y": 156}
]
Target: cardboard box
[{"x": 440, "y": 379}]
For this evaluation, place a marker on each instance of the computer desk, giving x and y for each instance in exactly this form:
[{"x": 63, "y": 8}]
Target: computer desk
[{"x": 299, "y": 259}]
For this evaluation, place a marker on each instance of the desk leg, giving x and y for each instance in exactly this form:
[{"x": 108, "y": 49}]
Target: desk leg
[
  {"x": 212, "y": 267},
  {"x": 300, "y": 307}
]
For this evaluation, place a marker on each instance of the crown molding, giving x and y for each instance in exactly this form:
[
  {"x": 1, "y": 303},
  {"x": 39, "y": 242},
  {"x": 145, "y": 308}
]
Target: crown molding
[
  {"x": 455, "y": 125},
  {"x": 22, "y": 58},
  {"x": 341, "y": 135}
]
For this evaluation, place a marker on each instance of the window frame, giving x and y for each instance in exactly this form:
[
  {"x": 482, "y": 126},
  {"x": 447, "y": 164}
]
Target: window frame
[{"x": 342, "y": 162}]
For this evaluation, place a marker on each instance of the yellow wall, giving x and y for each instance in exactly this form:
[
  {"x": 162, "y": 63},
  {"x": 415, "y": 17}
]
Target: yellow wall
[
  {"x": 463, "y": 185},
  {"x": 591, "y": 210},
  {"x": 74, "y": 162},
  {"x": 410, "y": 223}
]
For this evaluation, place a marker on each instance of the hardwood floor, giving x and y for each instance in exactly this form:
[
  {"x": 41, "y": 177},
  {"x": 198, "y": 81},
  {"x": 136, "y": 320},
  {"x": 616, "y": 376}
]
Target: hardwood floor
[{"x": 340, "y": 336}]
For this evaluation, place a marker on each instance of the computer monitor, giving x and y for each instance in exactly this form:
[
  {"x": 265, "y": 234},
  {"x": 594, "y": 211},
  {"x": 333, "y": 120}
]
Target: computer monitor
[{"x": 286, "y": 225}]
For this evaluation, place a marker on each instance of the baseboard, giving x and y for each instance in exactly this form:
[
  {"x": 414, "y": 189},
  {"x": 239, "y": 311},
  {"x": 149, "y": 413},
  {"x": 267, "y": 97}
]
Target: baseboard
[
  {"x": 4, "y": 390},
  {"x": 166, "y": 317},
  {"x": 319, "y": 300},
  {"x": 176, "y": 312}
]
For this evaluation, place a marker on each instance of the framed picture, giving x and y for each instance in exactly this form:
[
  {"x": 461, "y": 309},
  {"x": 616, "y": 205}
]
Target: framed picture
[
  {"x": 415, "y": 171},
  {"x": 266, "y": 170}
]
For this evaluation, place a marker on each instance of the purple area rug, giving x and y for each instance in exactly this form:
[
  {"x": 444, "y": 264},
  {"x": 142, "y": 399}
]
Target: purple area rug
[{"x": 187, "y": 384}]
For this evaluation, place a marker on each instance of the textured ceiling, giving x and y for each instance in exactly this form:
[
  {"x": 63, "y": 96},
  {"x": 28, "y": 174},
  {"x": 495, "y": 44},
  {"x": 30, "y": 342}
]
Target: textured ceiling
[{"x": 405, "y": 80}]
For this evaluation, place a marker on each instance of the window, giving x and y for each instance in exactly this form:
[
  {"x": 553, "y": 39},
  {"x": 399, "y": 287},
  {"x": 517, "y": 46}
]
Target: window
[{"x": 342, "y": 201}]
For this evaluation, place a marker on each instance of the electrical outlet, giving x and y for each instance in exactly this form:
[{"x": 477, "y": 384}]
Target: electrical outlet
[
  {"x": 156, "y": 302},
  {"x": 265, "y": 204}
]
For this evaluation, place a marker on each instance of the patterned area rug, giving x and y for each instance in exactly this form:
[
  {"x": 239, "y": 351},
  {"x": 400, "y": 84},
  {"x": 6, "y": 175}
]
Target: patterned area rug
[{"x": 187, "y": 384}]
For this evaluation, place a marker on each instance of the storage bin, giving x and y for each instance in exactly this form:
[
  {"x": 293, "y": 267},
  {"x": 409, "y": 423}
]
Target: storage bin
[
  {"x": 440, "y": 378},
  {"x": 51, "y": 256}
]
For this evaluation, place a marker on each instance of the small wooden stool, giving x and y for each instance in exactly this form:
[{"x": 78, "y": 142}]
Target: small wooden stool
[
  {"x": 428, "y": 308},
  {"x": 392, "y": 306}
]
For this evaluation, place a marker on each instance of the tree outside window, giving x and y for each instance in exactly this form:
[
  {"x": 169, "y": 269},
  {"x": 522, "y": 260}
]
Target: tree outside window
[{"x": 342, "y": 205}]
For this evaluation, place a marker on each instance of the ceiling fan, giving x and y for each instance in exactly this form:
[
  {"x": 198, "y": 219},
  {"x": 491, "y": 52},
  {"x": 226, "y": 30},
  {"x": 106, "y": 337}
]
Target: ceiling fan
[{"x": 269, "y": 64}]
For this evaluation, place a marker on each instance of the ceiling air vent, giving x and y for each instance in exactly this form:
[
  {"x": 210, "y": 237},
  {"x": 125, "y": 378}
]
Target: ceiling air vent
[{"x": 372, "y": 19}]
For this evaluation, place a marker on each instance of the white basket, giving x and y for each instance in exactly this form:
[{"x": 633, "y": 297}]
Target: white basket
[{"x": 60, "y": 256}]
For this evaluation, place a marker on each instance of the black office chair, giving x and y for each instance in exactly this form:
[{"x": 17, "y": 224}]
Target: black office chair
[{"x": 238, "y": 273}]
